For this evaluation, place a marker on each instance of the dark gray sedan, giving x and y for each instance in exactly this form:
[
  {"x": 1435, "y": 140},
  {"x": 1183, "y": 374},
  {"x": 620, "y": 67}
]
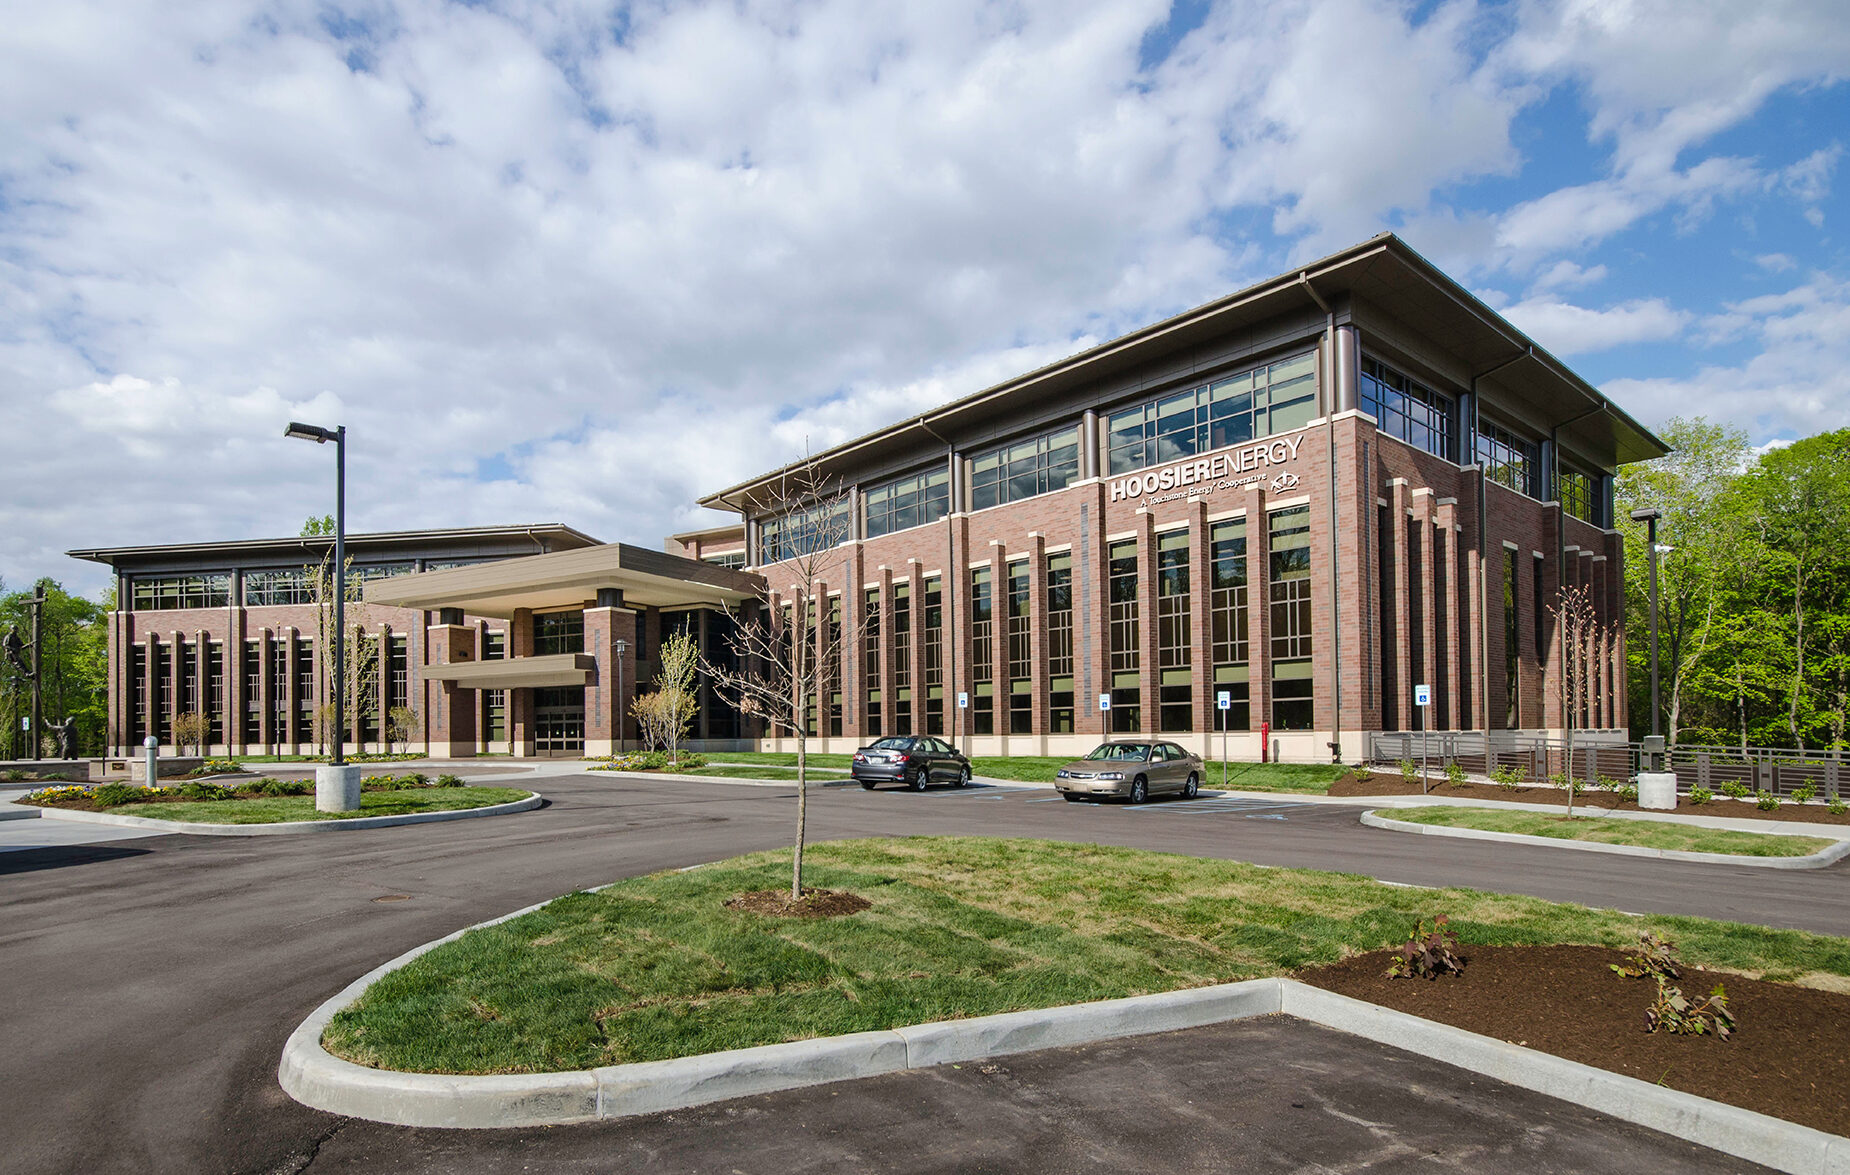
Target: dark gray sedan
[
  {"x": 1134, "y": 771},
  {"x": 914, "y": 760}
]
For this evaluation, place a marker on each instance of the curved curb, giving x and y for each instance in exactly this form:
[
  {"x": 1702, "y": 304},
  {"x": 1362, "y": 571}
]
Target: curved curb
[
  {"x": 291, "y": 827},
  {"x": 311, "y": 1075},
  {"x": 1818, "y": 860}
]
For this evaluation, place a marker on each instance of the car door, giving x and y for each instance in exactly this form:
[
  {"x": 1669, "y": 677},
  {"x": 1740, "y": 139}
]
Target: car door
[
  {"x": 940, "y": 758},
  {"x": 1185, "y": 765},
  {"x": 1175, "y": 767}
]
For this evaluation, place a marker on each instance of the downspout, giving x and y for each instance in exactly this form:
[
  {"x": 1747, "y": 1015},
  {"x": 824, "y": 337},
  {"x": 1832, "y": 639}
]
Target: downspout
[
  {"x": 1483, "y": 548},
  {"x": 1329, "y": 432}
]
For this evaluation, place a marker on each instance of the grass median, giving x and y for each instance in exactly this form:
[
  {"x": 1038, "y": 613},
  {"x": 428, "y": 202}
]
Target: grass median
[
  {"x": 1650, "y": 834},
  {"x": 290, "y": 809},
  {"x": 657, "y": 967}
]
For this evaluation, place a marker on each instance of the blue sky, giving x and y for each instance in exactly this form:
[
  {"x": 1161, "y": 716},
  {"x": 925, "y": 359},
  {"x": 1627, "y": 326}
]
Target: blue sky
[{"x": 583, "y": 262}]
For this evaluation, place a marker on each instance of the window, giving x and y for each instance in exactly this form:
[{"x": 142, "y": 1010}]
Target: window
[
  {"x": 982, "y": 652},
  {"x": 1510, "y": 460},
  {"x": 831, "y": 682},
  {"x": 1293, "y": 704},
  {"x": 805, "y": 531},
  {"x": 251, "y": 670},
  {"x": 1541, "y": 614},
  {"x": 1024, "y": 469},
  {"x": 1579, "y": 492},
  {"x": 1511, "y": 715},
  {"x": 279, "y": 691},
  {"x": 398, "y": 680},
  {"x": 293, "y": 585},
  {"x": 934, "y": 655},
  {"x": 1126, "y": 646},
  {"x": 1174, "y": 635},
  {"x": 214, "y": 678},
  {"x": 446, "y": 564},
  {"x": 1232, "y": 642},
  {"x": 561, "y": 632},
  {"x": 902, "y": 658},
  {"x": 1275, "y": 398},
  {"x": 307, "y": 729},
  {"x": 137, "y": 692},
  {"x": 1021, "y": 659},
  {"x": 160, "y": 672},
  {"x": 731, "y": 559},
  {"x": 870, "y": 642},
  {"x": 1410, "y": 410},
  {"x": 166, "y": 593},
  {"x": 908, "y": 501},
  {"x": 1060, "y": 643},
  {"x": 373, "y": 571}
]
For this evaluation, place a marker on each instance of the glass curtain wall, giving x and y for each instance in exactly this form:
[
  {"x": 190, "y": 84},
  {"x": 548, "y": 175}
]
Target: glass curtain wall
[
  {"x": 1060, "y": 690},
  {"x": 870, "y": 644},
  {"x": 1293, "y": 696},
  {"x": 1232, "y": 647},
  {"x": 1021, "y": 660},
  {"x": 1126, "y": 643},
  {"x": 982, "y": 652},
  {"x": 1174, "y": 634}
]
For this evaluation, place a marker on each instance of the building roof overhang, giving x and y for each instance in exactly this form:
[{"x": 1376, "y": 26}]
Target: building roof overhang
[
  {"x": 1382, "y": 272},
  {"x": 547, "y": 536},
  {"x": 569, "y": 579},
  {"x": 516, "y": 672}
]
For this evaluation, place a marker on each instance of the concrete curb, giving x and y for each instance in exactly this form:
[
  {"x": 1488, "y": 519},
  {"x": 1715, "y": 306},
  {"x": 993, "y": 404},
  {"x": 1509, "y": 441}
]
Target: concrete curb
[
  {"x": 1759, "y": 1138},
  {"x": 292, "y": 828},
  {"x": 1818, "y": 860},
  {"x": 316, "y": 1078}
]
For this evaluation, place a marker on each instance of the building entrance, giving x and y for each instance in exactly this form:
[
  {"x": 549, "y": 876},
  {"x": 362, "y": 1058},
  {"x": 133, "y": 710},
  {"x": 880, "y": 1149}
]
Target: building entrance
[{"x": 559, "y": 720}]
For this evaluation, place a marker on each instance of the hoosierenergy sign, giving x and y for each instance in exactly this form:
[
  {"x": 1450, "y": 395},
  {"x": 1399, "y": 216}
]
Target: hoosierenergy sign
[{"x": 1230, "y": 469}]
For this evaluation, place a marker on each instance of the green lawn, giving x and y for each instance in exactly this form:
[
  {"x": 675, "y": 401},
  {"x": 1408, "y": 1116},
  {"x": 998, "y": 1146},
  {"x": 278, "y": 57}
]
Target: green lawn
[
  {"x": 1312, "y": 779},
  {"x": 1652, "y": 834},
  {"x": 656, "y": 967},
  {"x": 283, "y": 809}
]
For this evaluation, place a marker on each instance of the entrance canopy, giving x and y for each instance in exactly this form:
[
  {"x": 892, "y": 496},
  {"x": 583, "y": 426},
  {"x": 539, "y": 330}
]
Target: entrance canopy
[{"x": 567, "y": 579}]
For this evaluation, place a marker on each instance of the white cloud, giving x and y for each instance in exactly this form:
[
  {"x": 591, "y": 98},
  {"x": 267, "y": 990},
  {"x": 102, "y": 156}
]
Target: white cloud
[
  {"x": 1566, "y": 329},
  {"x": 1798, "y": 382},
  {"x": 1565, "y": 275}
]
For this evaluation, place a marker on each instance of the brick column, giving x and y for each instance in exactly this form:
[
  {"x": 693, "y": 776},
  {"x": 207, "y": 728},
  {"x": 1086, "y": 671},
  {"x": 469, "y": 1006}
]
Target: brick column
[
  {"x": 452, "y": 727},
  {"x": 1395, "y": 539},
  {"x": 1037, "y": 637},
  {"x": 1425, "y": 584},
  {"x": 915, "y": 571},
  {"x": 1449, "y": 645},
  {"x": 175, "y": 692},
  {"x": 266, "y": 651},
  {"x": 613, "y": 682},
  {"x": 520, "y": 731}
]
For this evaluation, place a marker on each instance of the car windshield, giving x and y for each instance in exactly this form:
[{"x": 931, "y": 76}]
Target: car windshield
[
  {"x": 893, "y": 744},
  {"x": 1121, "y": 752}
]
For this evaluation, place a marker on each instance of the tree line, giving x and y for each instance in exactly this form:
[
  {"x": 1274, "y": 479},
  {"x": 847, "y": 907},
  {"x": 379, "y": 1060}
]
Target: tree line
[
  {"x": 1753, "y": 586},
  {"x": 73, "y": 662}
]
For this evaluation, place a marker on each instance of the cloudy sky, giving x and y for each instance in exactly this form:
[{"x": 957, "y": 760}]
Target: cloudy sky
[{"x": 582, "y": 262}]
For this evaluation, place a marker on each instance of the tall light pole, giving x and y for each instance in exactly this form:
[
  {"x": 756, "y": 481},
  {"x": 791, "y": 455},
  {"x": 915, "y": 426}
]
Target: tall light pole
[
  {"x": 622, "y": 717},
  {"x": 1649, "y": 517},
  {"x": 342, "y": 783}
]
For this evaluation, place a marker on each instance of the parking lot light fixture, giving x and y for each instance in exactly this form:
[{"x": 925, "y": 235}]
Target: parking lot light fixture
[{"x": 340, "y": 789}]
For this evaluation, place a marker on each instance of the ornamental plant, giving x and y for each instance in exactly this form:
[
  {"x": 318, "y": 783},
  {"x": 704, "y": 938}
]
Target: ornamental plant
[
  {"x": 1700, "y": 795},
  {"x": 1507, "y": 777},
  {"x": 1733, "y": 790},
  {"x": 1409, "y": 771},
  {"x": 1655, "y": 958},
  {"x": 1766, "y": 801},
  {"x": 1427, "y": 956},
  {"x": 1455, "y": 773},
  {"x": 1837, "y": 807},
  {"x": 1804, "y": 795}
]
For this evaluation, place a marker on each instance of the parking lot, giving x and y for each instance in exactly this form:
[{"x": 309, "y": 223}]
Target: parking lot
[{"x": 156, "y": 978}]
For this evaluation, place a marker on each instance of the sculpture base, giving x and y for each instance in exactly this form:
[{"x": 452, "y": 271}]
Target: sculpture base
[{"x": 1657, "y": 789}]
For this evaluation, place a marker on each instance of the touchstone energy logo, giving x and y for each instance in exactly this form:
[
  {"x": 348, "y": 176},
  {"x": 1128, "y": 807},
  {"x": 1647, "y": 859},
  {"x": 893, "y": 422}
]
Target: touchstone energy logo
[{"x": 1228, "y": 470}]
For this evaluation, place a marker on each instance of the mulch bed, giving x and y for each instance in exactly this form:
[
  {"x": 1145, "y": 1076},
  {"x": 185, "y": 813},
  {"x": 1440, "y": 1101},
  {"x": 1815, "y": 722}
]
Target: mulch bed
[
  {"x": 815, "y": 903},
  {"x": 1787, "y": 1057},
  {"x": 1394, "y": 785}
]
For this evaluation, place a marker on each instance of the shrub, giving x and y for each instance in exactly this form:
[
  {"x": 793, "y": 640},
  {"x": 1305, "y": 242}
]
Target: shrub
[
  {"x": 54, "y": 776},
  {"x": 1676, "y": 1013},
  {"x": 1837, "y": 807},
  {"x": 207, "y": 791},
  {"x": 1455, "y": 773},
  {"x": 1409, "y": 771},
  {"x": 1567, "y": 783},
  {"x": 1363, "y": 773},
  {"x": 216, "y": 767},
  {"x": 1427, "y": 956},
  {"x": 12, "y": 775},
  {"x": 1733, "y": 790},
  {"x": 448, "y": 780},
  {"x": 1805, "y": 795},
  {"x": 1507, "y": 777},
  {"x": 1652, "y": 956},
  {"x": 1607, "y": 783},
  {"x": 283, "y": 787},
  {"x": 1628, "y": 794},
  {"x": 1700, "y": 795},
  {"x": 114, "y": 795},
  {"x": 1766, "y": 801}
]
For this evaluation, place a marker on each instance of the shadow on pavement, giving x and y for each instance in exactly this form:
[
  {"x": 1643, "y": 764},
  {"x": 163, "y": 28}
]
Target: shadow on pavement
[{"x": 62, "y": 856}]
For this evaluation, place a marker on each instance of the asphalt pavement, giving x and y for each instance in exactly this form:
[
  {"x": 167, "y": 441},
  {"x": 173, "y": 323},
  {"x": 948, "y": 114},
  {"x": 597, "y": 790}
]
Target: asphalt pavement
[{"x": 154, "y": 980}]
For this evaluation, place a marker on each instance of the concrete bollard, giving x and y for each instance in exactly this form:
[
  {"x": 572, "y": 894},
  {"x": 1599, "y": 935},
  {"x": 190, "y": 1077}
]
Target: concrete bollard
[
  {"x": 151, "y": 752},
  {"x": 1657, "y": 789},
  {"x": 337, "y": 789}
]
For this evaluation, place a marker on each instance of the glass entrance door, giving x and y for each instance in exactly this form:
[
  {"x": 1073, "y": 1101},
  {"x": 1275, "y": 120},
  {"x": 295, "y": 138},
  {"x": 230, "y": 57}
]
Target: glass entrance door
[{"x": 559, "y": 720}]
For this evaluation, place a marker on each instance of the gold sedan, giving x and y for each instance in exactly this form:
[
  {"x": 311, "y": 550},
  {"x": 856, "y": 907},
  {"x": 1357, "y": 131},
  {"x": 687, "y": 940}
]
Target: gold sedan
[{"x": 1134, "y": 771}]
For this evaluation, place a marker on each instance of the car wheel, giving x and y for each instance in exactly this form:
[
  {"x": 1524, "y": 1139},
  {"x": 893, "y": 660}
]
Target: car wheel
[
  {"x": 1192, "y": 788},
  {"x": 920, "y": 778},
  {"x": 1140, "y": 790},
  {"x": 1071, "y": 797},
  {"x": 868, "y": 784},
  {"x": 963, "y": 780}
]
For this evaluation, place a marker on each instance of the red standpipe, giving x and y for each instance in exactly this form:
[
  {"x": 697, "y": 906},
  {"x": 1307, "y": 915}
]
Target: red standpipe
[{"x": 1265, "y": 742}]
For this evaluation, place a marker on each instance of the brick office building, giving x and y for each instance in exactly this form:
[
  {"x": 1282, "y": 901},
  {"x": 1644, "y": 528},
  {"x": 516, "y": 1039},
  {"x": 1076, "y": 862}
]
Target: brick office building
[{"x": 1311, "y": 495}]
